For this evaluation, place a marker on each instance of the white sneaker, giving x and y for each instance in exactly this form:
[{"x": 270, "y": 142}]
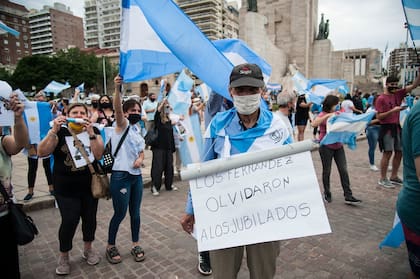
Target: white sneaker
[
  {"x": 174, "y": 188},
  {"x": 373, "y": 168},
  {"x": 155, "y": 192},
  {"x": 386, "y": 183}
]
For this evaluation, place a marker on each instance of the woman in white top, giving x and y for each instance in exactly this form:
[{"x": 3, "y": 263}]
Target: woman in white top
[
  {"x": 348, "y": 107},
  {"x": 126, "y": 179}
]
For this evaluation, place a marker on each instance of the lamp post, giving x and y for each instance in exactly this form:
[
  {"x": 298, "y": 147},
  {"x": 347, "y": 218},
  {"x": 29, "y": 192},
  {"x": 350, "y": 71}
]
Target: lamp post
[{"x": 104, "y": 73}]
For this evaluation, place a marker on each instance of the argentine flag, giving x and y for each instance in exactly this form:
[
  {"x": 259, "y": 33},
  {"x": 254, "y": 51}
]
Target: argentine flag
[
  {"x": 412, "y": 15},
  {"x": 191, "y": 147},
  {"x": 4, "y": 29},
  {"x": 37, "y": 116},
  {"x": 269, "y": 132},
  {"x": 180, "y": 95},
  {"x": 56, "y": 87},
  {"x": 395, "y": 237},
  {"x": 345, "y": 127}
]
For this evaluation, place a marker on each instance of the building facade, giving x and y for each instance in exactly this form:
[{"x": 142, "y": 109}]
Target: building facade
[
  {"x": 102, "y": 23},
  {"x": 217, "y": 19},
  {"x": 55, "y": 28},
  {"x": 12, "y": 48},
  {"x": 404, "y": 64}
]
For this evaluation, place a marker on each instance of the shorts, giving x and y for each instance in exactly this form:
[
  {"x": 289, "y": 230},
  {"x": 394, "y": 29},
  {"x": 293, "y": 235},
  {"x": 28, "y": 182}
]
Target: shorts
[
  {"x": 301, "y": 121},
  {"x": 413, "y": 248},
  {"x": 390, "y": 143}
]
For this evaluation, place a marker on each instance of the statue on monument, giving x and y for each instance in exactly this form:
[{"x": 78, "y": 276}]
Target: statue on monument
[
  {"x": 323, "y": 30},
  {"x": 252, "y": 6}
]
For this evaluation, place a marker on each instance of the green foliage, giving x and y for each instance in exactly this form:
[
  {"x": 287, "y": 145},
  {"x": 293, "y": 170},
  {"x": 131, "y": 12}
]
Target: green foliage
[{"x": 70, "y": 65}]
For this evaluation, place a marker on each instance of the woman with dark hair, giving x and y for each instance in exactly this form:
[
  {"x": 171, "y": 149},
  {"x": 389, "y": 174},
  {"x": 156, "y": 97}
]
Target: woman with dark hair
[
  {"x": 372, "y": 134},
  {"x": 162, "y": 161},
  {"x": 72, "y": 180},
  {"x": 332, "y": 151},
  {"x": 126, "y": 179},
  {"x": 105, "y": 114}
]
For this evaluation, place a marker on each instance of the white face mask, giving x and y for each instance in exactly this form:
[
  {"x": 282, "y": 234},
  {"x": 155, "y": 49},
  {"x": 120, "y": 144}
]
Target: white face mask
[{"x": 247, "y": 104}]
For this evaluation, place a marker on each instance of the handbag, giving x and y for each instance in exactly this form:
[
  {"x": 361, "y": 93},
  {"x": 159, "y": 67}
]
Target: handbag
[
  {"x": 23, "y": 225},
  {"x": 100, "y": 181},
  {"x": 108, "y": 157},
  {"x": 152, "y": 137}
]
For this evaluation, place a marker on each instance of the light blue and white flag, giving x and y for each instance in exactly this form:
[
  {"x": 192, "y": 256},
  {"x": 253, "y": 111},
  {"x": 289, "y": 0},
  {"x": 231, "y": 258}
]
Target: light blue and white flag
[
  {"x": 6, "y": 29},
  {"x": 180, "y": 95},
  {"x": 37, "y": 116},
  {"x": 403, "y": 115},
  {"x": 176, "y": 34},
  {"x": 412, "y": 14},
  {"x": 345, "y": 127},
  {"x": 395, "y": 237},
  {"x": 81, "y": 87},
  {"x": 191, "y": 147},
  {"x": 204, "y": 91},
  {"x": 322, "y": 87},
  {"x": 270, "y": 131},
  {"x": 56, "y": 87},
  {"x": 238, "y": 52},
  {"x": 161, "y": 90},
  {"x": 274, "y": 86}
]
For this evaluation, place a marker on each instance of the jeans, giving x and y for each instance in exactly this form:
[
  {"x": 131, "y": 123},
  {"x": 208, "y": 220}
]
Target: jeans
[
  {"x": 126, "y": 192},
  {"x": 372, "y": 134},
  {"x": 71, "y": 210},
  {"x": 327, "y": 154}
]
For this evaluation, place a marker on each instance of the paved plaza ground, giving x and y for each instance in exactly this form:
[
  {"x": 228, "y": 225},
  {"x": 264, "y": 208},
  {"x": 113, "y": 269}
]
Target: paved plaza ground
[{"x": 350, "y": 251}]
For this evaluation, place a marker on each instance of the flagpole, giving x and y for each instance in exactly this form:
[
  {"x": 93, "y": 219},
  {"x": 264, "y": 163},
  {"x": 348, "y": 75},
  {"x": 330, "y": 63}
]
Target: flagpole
[
  {"x": 104, "y": 73},
  {"x": 405, "y": 55},
  {"x": 224, "y": 164}
]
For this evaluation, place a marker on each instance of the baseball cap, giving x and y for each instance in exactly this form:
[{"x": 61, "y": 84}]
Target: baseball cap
[{"x": 246, "y": 75}]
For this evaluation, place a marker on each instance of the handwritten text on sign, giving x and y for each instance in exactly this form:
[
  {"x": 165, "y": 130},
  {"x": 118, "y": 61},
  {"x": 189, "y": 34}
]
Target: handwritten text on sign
[{"x": 266, "y": 201}]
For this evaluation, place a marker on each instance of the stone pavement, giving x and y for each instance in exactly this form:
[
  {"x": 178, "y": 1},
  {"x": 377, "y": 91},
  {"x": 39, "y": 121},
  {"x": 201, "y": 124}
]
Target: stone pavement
[{"x": 350, "y": 251}]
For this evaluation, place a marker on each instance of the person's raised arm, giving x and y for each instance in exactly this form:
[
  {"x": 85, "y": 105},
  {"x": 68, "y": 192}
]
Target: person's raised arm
[
  {"x": 13, "y": 144},
  {"x": 118, "y": 111},
  {"x": 412, "y": 86},
  {"x": 319, "y": 119}
]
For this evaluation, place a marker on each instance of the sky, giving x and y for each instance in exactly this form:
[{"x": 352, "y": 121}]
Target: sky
[{"x": 353, "y": 24}]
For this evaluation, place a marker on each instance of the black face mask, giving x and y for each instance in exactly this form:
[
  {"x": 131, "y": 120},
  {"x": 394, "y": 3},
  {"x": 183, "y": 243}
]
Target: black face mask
[
  {"x": 133, "y": 118},
  {"x": 95, "y": 105},
  {"x": 152, "y": 99},
  {"x": 392, "y": 88},
  {"x": 105, "y": 105}
]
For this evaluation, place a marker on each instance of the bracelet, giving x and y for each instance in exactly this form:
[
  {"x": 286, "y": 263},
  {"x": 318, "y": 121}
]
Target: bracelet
[{"x": 52, "y": 134}]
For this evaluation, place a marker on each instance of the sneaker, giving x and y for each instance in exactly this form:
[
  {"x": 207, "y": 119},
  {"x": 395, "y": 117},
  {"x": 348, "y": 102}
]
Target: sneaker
[
  {"x": 204, "y": 266},
  {"x": 373, "y": 168},
  {"x": 352, "y": 200},
  {"x": 91, "y": 256},
  {"x": 28, "y": 197},
  {"x": 327, "y": 197},
  {"x": 386, "y": 183},
  {"x": 174, "y": 188},
  {"x": 63, "y": 265},
  {"x": 396, "y": 181},
  {"x": 155, "y": 192}
]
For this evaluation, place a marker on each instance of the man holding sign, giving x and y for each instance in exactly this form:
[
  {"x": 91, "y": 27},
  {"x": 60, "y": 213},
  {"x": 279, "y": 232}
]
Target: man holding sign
[{"x": 246, "y": 127}]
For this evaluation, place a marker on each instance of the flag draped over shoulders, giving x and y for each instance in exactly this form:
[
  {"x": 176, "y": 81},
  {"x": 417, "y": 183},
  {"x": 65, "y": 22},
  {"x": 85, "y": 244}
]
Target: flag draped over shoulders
[{"x": 269, "y": 131}]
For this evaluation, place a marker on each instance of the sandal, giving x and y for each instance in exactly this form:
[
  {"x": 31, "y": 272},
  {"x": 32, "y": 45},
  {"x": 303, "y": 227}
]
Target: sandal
[
  {"x": 111, "y": 253},
  {"x": 138, "y": 254}
]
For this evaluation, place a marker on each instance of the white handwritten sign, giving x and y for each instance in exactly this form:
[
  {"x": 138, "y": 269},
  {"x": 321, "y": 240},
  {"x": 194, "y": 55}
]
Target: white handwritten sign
[
  {"x": 7, "y": 116},
  {"x": 272, "y": 200}
]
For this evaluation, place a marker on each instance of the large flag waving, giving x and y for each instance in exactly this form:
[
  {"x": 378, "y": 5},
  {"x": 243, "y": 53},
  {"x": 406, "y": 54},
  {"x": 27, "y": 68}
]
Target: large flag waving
[
  {"x": 37, "y": 117},
  {"x": 412, "y": 15},
  {"x": 179, "y": 35},
  {"x": 180, "y": 95},
  {"x": 345, "y": 127},
  {"x": 56, "y": 87}
]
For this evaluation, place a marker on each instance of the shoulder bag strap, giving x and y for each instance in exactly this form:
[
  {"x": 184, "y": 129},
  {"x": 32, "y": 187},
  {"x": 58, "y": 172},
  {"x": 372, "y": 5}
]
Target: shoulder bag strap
[
  {"x": 79, "y": 146},
  {"x": 121, "y": 141}
]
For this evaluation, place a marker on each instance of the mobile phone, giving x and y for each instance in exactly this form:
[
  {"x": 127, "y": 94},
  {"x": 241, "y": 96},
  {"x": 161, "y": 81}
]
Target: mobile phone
[{"x": 76, "y": 120}]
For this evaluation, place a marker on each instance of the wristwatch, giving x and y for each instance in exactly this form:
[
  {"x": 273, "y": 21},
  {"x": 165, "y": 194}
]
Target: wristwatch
[{"x": 92, "y": 137}]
